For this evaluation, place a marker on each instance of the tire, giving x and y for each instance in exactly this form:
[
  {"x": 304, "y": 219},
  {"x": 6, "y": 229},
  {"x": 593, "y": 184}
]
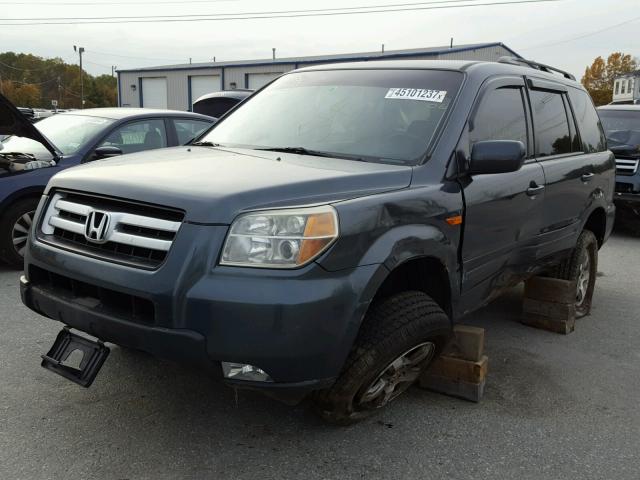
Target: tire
[
  {"x": 399, "y": 337},
  {"x": 582, "y": 267},
  {"x": 14, "y": 229}
]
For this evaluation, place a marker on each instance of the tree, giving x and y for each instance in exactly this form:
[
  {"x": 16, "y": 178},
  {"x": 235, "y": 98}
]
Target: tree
[
  {"x": 52, "y": 79},
  {"x": 599, "y": 77},
  {"x": 21, "y": 94}
]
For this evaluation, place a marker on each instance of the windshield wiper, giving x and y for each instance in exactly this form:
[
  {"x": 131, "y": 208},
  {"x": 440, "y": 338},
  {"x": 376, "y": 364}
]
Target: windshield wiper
[
  {"x": 205, "y": 143},
  {"x": 314, "y": 153}
]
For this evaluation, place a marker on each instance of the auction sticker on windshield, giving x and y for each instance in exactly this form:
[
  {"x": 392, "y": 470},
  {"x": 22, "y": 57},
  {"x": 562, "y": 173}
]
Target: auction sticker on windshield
[{"x": 421, "y": 94}]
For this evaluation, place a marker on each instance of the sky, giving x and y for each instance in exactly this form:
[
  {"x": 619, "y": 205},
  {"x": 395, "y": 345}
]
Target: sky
[{"x": 567, "y": 34}]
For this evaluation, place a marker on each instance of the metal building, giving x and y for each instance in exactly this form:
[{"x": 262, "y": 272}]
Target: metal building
[{"x": 178, "y": 86}]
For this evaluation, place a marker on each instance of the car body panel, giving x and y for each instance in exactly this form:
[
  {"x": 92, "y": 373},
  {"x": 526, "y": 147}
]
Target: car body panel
[
  {"x": 300, "y": 324},
  {"x": 216, "y": 184}
]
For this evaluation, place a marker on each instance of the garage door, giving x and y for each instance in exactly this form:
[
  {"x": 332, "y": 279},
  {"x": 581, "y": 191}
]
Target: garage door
[
  {"x": 203, "y": 84},
  {"x": 154, "y": 92},
  {"x": 258, "y": 80}
]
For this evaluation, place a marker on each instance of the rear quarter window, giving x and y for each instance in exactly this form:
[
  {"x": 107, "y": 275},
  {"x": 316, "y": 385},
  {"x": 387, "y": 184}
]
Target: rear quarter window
[{"x": 591, "y": 132}]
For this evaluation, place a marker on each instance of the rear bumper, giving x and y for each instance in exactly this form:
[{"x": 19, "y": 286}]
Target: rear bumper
[{"x": 297, "y": 325}]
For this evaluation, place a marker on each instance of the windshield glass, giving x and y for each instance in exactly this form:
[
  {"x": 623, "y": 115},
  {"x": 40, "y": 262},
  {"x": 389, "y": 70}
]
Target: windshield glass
[
  {"x": 621, "y": 126},
  {"x": 67, "y": 132},
  {"x": 375, "y": 115}
]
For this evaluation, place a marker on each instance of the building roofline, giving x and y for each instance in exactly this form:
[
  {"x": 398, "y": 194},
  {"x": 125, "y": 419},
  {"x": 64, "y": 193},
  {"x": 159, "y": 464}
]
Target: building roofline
[{"x": 355, "y": 57}]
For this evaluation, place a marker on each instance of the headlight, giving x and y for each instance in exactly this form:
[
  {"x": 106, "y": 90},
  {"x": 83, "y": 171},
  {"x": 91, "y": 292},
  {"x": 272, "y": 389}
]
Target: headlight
[{"x": 280, "y": 238}]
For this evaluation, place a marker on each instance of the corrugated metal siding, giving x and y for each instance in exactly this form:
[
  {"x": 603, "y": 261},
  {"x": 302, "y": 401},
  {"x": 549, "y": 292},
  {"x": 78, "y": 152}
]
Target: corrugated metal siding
[
  {"x": 237, "y": 74},
  {"x": 128, "y": 96},
  {"x": 177, "y": 86}
]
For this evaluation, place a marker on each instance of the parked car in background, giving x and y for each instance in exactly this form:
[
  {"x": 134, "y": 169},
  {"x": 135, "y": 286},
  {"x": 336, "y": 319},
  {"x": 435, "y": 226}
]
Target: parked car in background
[
  {"x": 321, "y": 238},
  {"x": 42, "y": 113},
  {"x": 218, "y": 103},
  {"x": 622, "y": 127},
  {"x": 34, "y": 153}
]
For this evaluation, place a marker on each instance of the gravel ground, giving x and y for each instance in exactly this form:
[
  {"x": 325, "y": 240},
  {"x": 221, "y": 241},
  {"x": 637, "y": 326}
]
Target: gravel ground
[{"x": 555, "y": 407}]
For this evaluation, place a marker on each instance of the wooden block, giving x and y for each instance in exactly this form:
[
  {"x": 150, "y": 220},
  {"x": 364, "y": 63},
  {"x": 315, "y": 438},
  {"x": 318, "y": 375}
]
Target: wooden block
[
  {"x": 454, "y": 388},
  {"x": 458, "y": 369},
  {"x": 556, "y": 325},
  {"x": 550, "y": 290},
  {"x": 560, "y": 311},
  {"x": 467, "y": 343}
]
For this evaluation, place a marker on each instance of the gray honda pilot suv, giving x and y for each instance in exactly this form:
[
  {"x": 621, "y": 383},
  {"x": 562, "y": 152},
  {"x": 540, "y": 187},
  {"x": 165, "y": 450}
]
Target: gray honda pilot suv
[{"x": 320, "y": 240}]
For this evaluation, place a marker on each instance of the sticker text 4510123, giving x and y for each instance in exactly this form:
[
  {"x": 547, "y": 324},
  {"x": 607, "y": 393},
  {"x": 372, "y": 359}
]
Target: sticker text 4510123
[{"x": 421, "y": 94}]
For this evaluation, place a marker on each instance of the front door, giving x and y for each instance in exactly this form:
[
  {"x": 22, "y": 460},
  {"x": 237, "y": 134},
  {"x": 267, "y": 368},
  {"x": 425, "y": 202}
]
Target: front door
[{"x": 503, "y": 212}]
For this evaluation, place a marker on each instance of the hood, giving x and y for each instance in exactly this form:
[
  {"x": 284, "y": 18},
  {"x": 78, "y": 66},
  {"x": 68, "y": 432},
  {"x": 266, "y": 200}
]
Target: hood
[
  {"x": 624, "y": 142},
  {"x": 12, "y": 122},
  {"x": 214, "y": 185}
]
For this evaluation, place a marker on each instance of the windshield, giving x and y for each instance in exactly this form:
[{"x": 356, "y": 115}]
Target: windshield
[
  {"x": 67, "y": 132},
  {"x": 375, "y": 115},
  {"x": 621, "y": 126}
]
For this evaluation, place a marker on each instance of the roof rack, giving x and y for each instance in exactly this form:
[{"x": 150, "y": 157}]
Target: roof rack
[{"x": 538, "y": 66}]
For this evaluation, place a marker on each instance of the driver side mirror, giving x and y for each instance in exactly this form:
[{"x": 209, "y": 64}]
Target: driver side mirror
[
  {"x": 497, "y": 156},
  {"x": 106, "y": 151}
]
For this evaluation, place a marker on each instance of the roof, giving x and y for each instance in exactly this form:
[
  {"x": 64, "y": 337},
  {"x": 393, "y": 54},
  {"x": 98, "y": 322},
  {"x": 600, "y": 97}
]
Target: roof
[
  {"x": 239, "y": 94},
  {"x": 124, "y": 112},
  {"x": 629, "y": 106},
  {"x": 412, "y": 52},
  {"x": 481, "y": 67},
  {"x": 635, "y": 73}
]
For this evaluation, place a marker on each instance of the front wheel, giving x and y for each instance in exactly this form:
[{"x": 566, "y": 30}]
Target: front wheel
[
  {"x": 399, "y": 337},
  {"x": 14, "y": 231}
]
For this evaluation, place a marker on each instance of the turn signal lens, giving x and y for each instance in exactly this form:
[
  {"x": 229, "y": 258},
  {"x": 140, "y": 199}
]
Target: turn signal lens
[{"x": 280, "y": 238}]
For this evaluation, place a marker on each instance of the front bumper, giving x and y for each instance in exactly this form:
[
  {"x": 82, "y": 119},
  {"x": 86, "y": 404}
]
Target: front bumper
[
  {"x": 627, "y": 189},
  {"x": 297, "y": 325}
]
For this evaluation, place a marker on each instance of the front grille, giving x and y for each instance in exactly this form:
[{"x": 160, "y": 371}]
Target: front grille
[
  {"x": 133, "y": 234},
  {"x": 626, "y": 166},
  {"x": 115, "y": 304}
]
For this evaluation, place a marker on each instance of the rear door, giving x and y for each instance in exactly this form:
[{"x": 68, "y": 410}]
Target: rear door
[
  {"x": 570, "y": 173},
  {"x": 503, "y": 212}
]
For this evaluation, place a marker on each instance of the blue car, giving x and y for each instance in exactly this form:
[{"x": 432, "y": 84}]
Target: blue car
[{"x": 32, "y": 154}]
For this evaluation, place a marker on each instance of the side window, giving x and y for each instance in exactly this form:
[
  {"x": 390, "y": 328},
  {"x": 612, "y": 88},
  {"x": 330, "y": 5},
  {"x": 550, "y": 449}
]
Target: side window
[
  {"x": 500, "y": 116},
  {"x": 138, "y": 136},
  {"x": 591, "y": 132},
  {"x": 551, "y": 123},
  {"x": 187, "y": 130}
]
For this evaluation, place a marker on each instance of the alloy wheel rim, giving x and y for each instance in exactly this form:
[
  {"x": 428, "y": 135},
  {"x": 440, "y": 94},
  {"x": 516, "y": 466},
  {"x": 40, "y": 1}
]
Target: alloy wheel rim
[
  {"x": 397, "y": 376},
  {"x": 20, "y": 232},
  {"x": 584, "y": 276}
]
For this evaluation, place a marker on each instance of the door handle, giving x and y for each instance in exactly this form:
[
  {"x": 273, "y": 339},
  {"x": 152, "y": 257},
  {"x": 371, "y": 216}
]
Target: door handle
[
  {"x": 587, "y": 177},
  {"x": 534, "y": 190}
]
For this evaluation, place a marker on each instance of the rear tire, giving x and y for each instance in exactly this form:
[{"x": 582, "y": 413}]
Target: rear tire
[
  {"x": 399, "y": 337},
  {"x": 15, "y": 225},
  {"x": 582, "y": 267}
]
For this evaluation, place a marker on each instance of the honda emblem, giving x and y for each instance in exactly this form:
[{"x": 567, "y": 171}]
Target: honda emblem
[{"x": 97, "y": 226}]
